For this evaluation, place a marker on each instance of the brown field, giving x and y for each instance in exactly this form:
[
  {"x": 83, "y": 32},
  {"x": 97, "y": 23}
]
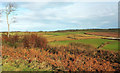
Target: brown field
[{"x": 108, "y": 34}]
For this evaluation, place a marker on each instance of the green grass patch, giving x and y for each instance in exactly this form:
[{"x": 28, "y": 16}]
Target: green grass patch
[
  {"x": 112, "y": 46},
  {"x": 24, "y": 65},
  {"x": 92, "y": 42},
  {"x": 66, "y": 33}
]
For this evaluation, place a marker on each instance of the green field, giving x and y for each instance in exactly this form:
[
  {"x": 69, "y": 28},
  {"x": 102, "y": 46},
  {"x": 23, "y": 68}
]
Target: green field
[
  {"x": 113, "y": 46},
  {"x": 93, "y": 42},
  {"x": 66, "y": 33}
]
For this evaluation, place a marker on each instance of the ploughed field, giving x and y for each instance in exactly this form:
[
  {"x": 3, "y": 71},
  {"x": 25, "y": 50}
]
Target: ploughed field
[{"x": 81, "y": 50}]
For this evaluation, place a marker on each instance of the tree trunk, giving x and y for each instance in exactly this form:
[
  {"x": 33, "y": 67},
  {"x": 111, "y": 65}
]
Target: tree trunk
[{"x": 8, "y": 25}]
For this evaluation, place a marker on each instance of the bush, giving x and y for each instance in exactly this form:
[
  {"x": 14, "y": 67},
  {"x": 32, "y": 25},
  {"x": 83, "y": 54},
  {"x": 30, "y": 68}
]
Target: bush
[
  {"x": 35, "y": 41},
  {"x": 12, "y": 40},
  {"x": 4, "y": 38}
]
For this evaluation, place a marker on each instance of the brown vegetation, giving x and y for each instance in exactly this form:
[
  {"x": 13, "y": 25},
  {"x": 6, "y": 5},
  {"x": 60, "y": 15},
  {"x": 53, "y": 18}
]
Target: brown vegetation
[
  {"x": 75, "y": 57},
  {"x": 26, "y": 41},
  {"x": 35, "y": 41},
  {"x": 67, "y": 58},
  {"x": 109, "y": 34}
]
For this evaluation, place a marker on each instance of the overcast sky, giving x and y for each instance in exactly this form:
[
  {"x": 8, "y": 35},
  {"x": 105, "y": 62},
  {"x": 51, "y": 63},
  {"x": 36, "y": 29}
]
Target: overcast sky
[{"x": 51, "y": 16}]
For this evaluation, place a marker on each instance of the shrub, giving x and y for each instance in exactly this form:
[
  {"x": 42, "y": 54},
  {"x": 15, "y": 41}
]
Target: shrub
[
  {"x": 35, "y": 41},
  {"x": 4, "y": 38},
  {"x": 11, "y": 41},
  {"x": 26, "y": 40}
]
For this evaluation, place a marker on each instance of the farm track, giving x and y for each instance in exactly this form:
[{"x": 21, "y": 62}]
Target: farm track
[{"x": 103, "y": 44}]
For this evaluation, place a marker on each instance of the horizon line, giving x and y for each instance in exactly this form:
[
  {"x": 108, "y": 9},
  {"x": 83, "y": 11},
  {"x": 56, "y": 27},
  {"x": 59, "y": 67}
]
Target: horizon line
[{"x": 66, "y": 30}]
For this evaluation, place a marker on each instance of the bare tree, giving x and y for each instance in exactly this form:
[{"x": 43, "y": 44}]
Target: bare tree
[{"x": 10, "y": 8}]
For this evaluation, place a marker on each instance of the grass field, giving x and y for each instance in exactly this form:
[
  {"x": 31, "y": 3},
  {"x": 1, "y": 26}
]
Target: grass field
[
  {"x": 114, "y": 46},
  {"x": 93, "y": 42}
]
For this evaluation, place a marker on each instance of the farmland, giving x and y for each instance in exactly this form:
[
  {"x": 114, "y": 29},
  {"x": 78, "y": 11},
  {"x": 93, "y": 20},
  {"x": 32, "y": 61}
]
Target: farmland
[{"x": 79, "y": 50}]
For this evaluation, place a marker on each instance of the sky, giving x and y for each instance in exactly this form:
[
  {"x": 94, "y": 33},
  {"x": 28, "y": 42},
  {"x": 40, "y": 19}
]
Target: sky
[{"x": 52, "y": 16}]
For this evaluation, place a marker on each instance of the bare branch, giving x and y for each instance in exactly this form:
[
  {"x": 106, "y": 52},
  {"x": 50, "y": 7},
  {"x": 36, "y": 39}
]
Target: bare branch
[{"x": 10, "y": 7}]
